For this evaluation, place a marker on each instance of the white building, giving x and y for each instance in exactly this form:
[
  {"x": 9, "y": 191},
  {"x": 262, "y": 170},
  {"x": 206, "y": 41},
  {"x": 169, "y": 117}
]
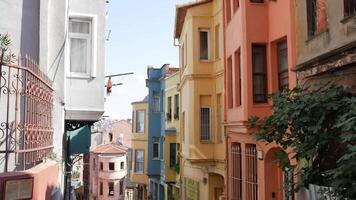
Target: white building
[
  {"x": 67, "y": 40},
  {"x": 108, "y": 172}
]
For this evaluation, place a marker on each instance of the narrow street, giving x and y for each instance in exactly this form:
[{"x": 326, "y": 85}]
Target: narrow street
[{"x": 178, "y": 100}]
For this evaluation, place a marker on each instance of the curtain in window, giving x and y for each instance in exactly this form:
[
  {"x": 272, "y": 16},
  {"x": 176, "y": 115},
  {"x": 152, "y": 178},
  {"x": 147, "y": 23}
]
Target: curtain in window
[
  {"x": 78, "y": 55},
  {"x": 140, "y": 121}
]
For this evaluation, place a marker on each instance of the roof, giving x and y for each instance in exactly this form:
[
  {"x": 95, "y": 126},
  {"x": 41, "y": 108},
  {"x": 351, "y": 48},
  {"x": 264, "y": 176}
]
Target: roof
[
  {"x": 181, "y": 12},
  {"x": 109, "y": 148},
  {"x": 145, "y": 100}
]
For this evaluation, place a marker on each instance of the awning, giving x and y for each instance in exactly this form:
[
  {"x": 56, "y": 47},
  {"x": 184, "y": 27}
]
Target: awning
[{"x": 79, "y": 140}]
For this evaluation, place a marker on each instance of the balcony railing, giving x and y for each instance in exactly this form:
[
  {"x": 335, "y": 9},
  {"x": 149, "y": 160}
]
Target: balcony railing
[{"x": 26, "y": 103}]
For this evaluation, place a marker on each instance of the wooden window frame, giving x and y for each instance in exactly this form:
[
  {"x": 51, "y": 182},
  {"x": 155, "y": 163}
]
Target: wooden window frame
[
  {"x": 263, "y": 74},
  {"x": 203, "y": 135},
  {"x": 237, "y": 72},
  {"x": 281, "y": 72},
  {"x": 207, "y": 31},
  {"x": 230, "y": 90}
]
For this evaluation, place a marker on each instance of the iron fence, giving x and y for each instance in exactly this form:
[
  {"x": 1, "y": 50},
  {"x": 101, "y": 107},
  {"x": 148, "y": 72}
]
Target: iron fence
[{"x": 26, "y": 103}]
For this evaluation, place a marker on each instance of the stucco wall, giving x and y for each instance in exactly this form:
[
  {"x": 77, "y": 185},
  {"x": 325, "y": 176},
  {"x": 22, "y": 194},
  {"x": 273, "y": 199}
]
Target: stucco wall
[{"x": 338, "y": 33}]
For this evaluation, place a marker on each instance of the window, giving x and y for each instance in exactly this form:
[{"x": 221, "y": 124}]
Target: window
[
  {"x": 229, "y": 83},
  {"x": 121, "y": 187},
  {"x": 139, "y": 161},
  {"x": 182, "y": 55},
  {"x": 256, "y": 1},
  {"x": 156, "y": 102},
  {"x": 236, "y": 5},
  {"x": 204, "y": 44},
  {"x": 237, "y": 77},
  {"x": 122, "y": 165},
  {"x": 129, "y": 159},
  {"x": 349, "y": 8},
  {"x": 217, "y": 41},
  {"x": 94, "y": 163},
  {"x": 111, "y": 189},
  {"x": 219, "y": 118},
  {"x": 236, "y": 171},
  {"x": 311, "y": 16},
  {"x": 172, "y": 154},
  {"x": 101, "y": 166},
  {"x": 155, "y": 148},
  {"x": 101, "y": 188},
  {"x": 205, "y": 124},
  {"x": 185, "y": 50},
  {"x": 283, "y": 65},
  {"x": 169, "y": 109},
  {"x": 110, "y": 137},
  {"x": 80, "y": 35},
  {"x": 111, "y": 166},
  {"x": 228, "y": 10},
  {"x": 176, "y": 106},
  {"x": 259, "y": 73},
  {"x": 251, "y": 171},
  {"x": 140, "y": 121},
  {"x": 133, "y": 123},
  {"x": 316, "y": 16}
]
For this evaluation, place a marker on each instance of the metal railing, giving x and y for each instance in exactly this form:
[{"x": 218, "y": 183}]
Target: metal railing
[{"x": 26, "y": 103}]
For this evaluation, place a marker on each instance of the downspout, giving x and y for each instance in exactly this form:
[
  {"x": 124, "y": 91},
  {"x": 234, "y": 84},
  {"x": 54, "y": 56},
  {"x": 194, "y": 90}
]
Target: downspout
[{"x": 226, "y": 193}]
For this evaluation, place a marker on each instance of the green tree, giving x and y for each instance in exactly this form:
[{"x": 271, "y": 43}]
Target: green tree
[{"x": 319, "y": 127}]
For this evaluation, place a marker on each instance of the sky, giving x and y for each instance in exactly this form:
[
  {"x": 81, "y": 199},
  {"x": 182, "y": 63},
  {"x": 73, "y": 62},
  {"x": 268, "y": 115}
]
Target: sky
[{"x": 141, "y": 35}]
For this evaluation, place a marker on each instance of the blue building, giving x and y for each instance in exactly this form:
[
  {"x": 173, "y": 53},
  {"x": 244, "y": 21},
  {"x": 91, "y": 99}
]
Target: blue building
[{"x": 156, "y": 109}]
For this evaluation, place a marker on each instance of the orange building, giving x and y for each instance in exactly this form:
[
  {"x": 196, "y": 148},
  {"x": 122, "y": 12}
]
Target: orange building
[{"x": 259, "y": 56}]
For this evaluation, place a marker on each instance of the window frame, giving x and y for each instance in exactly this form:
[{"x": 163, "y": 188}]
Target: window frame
[
  {"x": 155, "y": 141},
  {"x": 176, "y": 106},
  {"x": 237, "y": 72},
  {"x": 254, "y": 74},
  {"x": 349, "y": 14},
  {"x": 111, "y": 193},
  {"x": 171, "y": 159},
  {"x": 92, "y": 67},
  {"x": 156, "y": 97},
  {"x": 122, "y": 165},
  {"x": 207, "y": 30},
  {"x": 280, "y": 72},
  {"x": 136, "y": 121},
  {"x": 217, "y": 42},
  {"x": 111, "y": 166},
  {"x": 210, "y": 124},
  {"x": 143, "y": 161},
  {"x": 229, "y": 80}
]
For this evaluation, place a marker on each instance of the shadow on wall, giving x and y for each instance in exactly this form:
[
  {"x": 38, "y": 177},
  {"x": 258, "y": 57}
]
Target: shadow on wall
[{"x": 30, "y": 28}]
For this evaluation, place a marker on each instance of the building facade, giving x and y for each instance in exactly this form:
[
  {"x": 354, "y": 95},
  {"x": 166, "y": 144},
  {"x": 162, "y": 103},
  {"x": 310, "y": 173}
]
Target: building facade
[
  {"x": 108, "y": 172},
  {"x": 139, "y": 153},
  {"x": 199, "y": 31},
  {"x": 326, "y": 50},
  {"x": 65, "y": 75},
  {"x": 259, "y": 57},
  {"x": 156, "y": 128},
  {"x": 171, "y": 176}
]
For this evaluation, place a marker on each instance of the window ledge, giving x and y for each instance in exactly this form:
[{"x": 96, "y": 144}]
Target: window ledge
[
  {"x": 206, "y": 142},
  {"x": 79, "y": 76},
  {"x": 348, "y": 18},
  {"x": 311, "y": 38},
  {"x": 205, "y": 61}
]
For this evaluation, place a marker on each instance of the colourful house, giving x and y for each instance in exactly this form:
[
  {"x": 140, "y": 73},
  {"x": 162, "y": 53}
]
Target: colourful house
[
  {"x": 199, "y": 31},
  {"x": 259, "y": 55},
  {"x": 156, "y": 131},
  {"x": 172, "y": 137},
  {"x": 108, "y": 172},
  {"x": 139, "y": 154}
]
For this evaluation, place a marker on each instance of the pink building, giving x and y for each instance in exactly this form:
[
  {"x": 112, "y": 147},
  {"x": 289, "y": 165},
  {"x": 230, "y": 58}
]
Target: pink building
[
  {"x": 107, "y": 172},
  {"x": 121, "y": 132}
]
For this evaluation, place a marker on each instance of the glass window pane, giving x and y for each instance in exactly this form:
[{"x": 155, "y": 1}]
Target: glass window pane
[
  {"x": 79, "y": 27},
  {"x": 204, "y": 49},
  {"x": 78, "y": 55}
]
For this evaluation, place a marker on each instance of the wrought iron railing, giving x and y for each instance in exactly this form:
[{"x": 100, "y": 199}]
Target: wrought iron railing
[{"x": 26, "y": 103}]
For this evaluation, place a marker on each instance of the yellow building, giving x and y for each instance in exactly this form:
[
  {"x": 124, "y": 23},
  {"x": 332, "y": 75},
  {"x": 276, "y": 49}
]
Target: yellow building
[
  {"x": 138, "y": 168},
  {"x": 199, "y": 30},
  {"x": 171, "y": 138}
]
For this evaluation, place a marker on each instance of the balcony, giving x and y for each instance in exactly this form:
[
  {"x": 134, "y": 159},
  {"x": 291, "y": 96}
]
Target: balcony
[{"x": 26, "y": 102}]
